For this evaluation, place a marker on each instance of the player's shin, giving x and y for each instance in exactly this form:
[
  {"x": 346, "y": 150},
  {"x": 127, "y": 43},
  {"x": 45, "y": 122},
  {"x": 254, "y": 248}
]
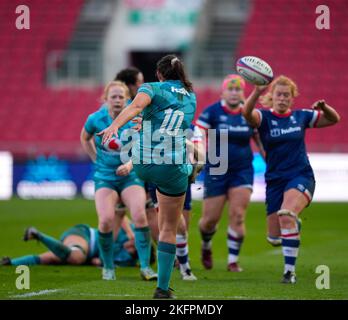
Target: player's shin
[
  {"x": 290, "y": 240},
  {"x": 105, "y": 241},
  {"x": 143, "y": 246},
  {"x": 29, "y": 260},
  {"x": 54, "y": 245},
  {"x": 234, "y": 244},
  {"x": 182, "y": 252},
  {"x": 207, "y": 239},
  {"x": 166, "y": 257}
]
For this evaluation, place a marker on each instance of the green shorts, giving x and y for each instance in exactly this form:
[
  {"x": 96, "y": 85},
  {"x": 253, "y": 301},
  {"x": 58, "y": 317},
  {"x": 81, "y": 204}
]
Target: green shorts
[
  {"x": 81, "y": 230},
  {"x": 170, "y": 180},
  {"x": 120, "y": 184}
]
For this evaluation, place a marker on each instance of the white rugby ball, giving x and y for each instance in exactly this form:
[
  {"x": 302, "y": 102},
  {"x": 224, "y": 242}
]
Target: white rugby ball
[{"x": 254, "y": 70}]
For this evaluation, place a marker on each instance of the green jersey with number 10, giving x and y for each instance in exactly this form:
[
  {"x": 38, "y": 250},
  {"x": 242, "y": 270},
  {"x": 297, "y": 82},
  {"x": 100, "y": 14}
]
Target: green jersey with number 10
[{"x": 165, "y": 123}]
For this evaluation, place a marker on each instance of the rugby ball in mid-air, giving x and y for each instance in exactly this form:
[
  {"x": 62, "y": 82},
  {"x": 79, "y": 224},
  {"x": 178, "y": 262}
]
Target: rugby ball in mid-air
[{"x": 255, "y": 70}]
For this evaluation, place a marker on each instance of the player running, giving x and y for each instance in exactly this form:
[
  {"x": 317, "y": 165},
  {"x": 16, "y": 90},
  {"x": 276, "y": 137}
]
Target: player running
[
  {"x": 168, "y": 108},
  {"x": 234, "y": 186},
  {"x": 78, "y": 245},
  {"x": 289, "y": 176},
  {"x": 115, "y": 180}
]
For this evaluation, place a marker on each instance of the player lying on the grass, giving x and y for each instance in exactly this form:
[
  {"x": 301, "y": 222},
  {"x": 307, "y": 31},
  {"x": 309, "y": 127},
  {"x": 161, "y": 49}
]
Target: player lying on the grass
[
  {"x": 116, "y": 181},
  {"x": 236, "y": 184},
  {"x": 79, "y": 246},
  {"x": 289, "y": 176}
]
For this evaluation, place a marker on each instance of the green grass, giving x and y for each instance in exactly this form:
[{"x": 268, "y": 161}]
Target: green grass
[{"x": 324, "y": 241}]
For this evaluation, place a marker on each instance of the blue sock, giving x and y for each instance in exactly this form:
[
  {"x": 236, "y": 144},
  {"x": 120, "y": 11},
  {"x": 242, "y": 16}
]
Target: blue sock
[
  {"x": 166, "y": 257},
  {"x": 56, "y": 246},
  {"x": 26, "y": 260},
  {"x": 234, "y": 243},
  {"x": 143, "y": 246},
  {"x": 105, "y": 242},
  {"x": 182, "y": 252},
  {"x": 291, "y": 244}
]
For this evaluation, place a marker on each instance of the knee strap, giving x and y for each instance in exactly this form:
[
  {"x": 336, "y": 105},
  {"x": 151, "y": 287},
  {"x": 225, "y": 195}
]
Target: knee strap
[
  {"x": 75, "y": 247},
  {"x": 285, "y": 212},
  {"x": 149, "y": 204},
  {"x": 274, "y": 241}
]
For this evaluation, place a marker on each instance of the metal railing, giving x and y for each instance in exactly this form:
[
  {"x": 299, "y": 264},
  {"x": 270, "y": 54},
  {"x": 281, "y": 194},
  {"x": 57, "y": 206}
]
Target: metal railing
[{"x": 73, "y": 68}]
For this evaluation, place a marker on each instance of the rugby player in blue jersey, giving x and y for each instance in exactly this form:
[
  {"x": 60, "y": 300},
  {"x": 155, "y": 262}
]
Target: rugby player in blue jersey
[
  {"x": 235, "y": 185},
  {"x": 289, "y": 176}
]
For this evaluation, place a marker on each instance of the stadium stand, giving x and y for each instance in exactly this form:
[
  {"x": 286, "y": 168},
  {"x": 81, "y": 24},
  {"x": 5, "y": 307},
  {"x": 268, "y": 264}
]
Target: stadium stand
[
  {"x": 315, "y": 59},
  {"x": 40, "y": 119}
]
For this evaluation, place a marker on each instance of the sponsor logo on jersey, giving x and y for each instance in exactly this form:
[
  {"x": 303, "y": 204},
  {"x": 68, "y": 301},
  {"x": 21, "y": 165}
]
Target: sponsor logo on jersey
[
  {"x": 223, "y": 118},
  {"x": 278, "y": 132},
  {"x": 275, "y": 133},
  {"x": 181, "y": 91},
  {"x": 274, "y": 123},
  {"x": 234, "y": 128}
]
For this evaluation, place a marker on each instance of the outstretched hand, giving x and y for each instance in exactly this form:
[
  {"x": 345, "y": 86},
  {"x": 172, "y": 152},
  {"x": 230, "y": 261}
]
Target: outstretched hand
[
  {"x": 319, "y": 105},
  {"x": 108, "y": 133},
  {"x": 261, "y": 89}
]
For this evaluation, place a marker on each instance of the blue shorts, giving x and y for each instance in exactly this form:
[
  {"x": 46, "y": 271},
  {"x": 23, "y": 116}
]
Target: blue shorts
[
  {"x": 275, "y": 190},
  {"x": 188, "y": 198},
  {"x": 217, "y": 185}
]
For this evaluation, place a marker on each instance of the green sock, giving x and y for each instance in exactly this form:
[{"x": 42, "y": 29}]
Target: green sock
[
  {"x": 105, "y": 248},
  {"x": 166, "y": 257},
  {"x": 26, "y": 260},
  {"x": 56, "y": 246},
  {"x": 143, "y": 246}
]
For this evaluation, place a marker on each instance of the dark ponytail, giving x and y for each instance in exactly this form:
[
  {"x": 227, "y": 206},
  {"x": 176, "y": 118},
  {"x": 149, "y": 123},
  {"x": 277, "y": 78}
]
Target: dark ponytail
[{"x": 171, "y": 68}]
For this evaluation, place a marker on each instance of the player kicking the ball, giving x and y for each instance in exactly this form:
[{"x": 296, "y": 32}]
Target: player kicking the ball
[{"x": 289, "y": 176}]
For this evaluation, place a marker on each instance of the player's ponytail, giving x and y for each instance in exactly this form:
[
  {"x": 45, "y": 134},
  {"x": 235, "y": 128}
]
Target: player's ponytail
[
  {"x": 171, "y": 68},
  {"x": 267, "y": 100}
]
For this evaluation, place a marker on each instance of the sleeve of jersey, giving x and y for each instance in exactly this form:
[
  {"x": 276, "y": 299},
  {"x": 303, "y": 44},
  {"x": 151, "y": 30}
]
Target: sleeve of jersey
[
  {"x": 147, "y": 88},
  {"x": 89, "y": 125},
  {"x": 197, "y": 135},
  {"x": 260, "y": 114},
  {"x": 312, "y": 118},
  {"x": 203, "y": 120}
]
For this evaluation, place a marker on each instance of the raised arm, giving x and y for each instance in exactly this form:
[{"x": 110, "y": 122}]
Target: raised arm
[
  {"x": 140, "y": 102},
  {"x": 88, "y": 144},
  {"x": 328, "y": 116},
  {"x": 249, "y": 112}
]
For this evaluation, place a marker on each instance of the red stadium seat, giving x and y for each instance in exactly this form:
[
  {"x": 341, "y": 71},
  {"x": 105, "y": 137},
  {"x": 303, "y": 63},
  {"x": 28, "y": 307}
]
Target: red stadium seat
[{"x": 289, "y": 41}]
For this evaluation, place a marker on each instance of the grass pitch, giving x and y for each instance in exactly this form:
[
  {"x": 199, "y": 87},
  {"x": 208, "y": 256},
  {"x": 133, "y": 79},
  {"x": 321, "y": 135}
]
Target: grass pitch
[{"x": 324, "y": 242}]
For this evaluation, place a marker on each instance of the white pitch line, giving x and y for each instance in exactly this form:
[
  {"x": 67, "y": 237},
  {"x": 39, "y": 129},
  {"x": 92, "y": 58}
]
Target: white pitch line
[
  {"x": 146, "y": 296},
  {"x": 71, "y": 294},
  {"x": 37, "y": 293}
]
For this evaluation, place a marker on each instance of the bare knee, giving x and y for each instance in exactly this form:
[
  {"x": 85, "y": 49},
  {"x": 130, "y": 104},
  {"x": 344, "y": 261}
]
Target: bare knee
[
  {"x": 140, "y": 220},
  {"x": 106, "y": 224},
  {"x": 238, "y": 216},
  {"x": 167, "y": 234}
]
